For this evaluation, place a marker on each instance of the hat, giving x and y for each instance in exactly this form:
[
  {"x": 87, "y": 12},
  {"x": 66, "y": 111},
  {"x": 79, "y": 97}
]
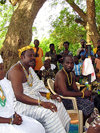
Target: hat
[
  {"x": 1, "y": 60},
  {"x": 24, "y": 49}
]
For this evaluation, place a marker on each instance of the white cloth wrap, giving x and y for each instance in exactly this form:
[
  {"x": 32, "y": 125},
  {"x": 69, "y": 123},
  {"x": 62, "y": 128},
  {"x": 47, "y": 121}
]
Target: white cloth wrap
[
  {"x": 53, "y": 122},
  {"x": 29, "y": 125}
]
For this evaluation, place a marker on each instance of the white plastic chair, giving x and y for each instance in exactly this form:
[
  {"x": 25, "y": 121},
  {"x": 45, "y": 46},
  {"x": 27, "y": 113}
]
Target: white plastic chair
[{"x": 75, "y": 114}]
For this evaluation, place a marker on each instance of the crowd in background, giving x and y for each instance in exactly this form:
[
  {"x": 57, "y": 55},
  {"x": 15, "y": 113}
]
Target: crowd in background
[{"x": 53, "y": 61}]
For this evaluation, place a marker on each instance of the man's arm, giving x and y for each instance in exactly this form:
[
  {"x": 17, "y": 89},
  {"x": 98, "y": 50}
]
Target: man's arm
[
  {"x": 16, "y": 78},
  {"x": 60, "y": 83},
  {"x": 60, "y": 80}
]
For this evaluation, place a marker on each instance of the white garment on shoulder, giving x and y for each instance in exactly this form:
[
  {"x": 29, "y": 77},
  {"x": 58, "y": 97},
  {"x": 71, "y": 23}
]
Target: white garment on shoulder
[
  {"x": 29, "y": 125},
  {"x": 52, "y": 67}
]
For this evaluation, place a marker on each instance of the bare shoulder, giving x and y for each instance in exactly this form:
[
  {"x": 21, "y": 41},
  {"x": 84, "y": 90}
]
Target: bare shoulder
[
  {"x": 60, "y": 75},
  {"x": 15, "y": 71}
]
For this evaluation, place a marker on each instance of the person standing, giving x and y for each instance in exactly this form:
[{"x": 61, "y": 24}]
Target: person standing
[
  {"x": 38, "y": 56},
  {"x": 53, "y": 55},
  {"x": 66, "y": 49}
]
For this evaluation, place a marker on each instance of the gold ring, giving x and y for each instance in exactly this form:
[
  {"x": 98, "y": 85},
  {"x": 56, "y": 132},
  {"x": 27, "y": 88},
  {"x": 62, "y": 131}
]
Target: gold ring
[{"x": 52, "y": 107}]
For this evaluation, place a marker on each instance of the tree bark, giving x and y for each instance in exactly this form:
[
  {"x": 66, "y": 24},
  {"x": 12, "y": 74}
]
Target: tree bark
[
  {"x": 94, "y": 35},
  {"x": 20, "y": 29},
  {"x": 87, "y": 17}
]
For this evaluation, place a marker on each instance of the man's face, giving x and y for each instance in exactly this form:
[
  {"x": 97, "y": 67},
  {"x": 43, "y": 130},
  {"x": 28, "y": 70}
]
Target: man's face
[
  {"x": 76, "y": 59},
  {"x": 47, "y": 64},
  {"x": 2, "y": 73},
  {"x": 52, "y": 47},
  {"x": 28, "y": 58},
  {"x": 83, "y": 43},
  {"x": 36, "y": 43},
  {"x": 66, "y": 46},
  {"x": 68, "y": 64}
]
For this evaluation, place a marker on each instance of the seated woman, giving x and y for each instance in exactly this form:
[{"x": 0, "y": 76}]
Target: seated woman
[{"x": 11, "y": 122}]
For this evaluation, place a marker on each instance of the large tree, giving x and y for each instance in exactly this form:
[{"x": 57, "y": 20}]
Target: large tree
[
  {"x": 87, "y": 17},
  {"x": 20, "y": 29}
]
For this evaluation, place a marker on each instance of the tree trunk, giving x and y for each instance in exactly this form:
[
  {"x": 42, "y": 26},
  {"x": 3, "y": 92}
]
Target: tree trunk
[
  {"x": 94, "y": 35},
  {"x": 20, "y": 30},
  {"x": 87, "y": 17}
]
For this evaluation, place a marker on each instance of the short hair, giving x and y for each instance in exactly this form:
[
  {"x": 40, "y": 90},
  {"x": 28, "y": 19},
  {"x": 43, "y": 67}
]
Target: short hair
[
  {"x": 97, "y": 102},
  {"x": 36, "y": 40},
  {"x": 76, "y": 56},
  {"x": 67, "y": 56},
  {"x": 82, "y": 40},
  {"x": 51, "y": 44},
  {"x": 66, "y": 43}
]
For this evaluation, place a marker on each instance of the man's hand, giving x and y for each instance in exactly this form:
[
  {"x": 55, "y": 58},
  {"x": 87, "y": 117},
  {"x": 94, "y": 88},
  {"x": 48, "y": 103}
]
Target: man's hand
[
  {"x": 49, "y": 105},
  {"x": 87, "y": 93},
  {"x": 95, "y": 129},
  {"x": 56, "y": 97},
  {"x": 17, "y": 119}
]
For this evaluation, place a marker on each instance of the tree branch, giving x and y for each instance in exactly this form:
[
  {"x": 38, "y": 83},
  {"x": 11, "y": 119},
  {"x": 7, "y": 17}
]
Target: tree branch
[{"x": 78, "y": 10}]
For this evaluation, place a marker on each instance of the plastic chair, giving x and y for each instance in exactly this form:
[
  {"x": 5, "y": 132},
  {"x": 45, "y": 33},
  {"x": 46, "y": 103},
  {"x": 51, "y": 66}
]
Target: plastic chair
[{"x": 75, "y": 114}]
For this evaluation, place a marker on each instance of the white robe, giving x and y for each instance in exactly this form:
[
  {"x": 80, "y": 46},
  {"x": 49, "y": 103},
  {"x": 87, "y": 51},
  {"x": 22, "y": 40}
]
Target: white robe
[
  {"x": 28, "y": 125},
  {"x": 53, "y": 122}
]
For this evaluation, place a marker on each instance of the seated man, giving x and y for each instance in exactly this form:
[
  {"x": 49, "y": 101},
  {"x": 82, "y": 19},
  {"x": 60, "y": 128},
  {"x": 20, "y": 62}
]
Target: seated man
[
  {"x": 67, "y": 87},
  {"x": 33, "y": 99},
  {"x": 11, "y": 122},
  {"x": 47, "y": 70}
]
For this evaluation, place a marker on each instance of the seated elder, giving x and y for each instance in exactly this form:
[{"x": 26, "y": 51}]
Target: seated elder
[
  {"x": 47, "y": 70},
  {"x": 67, "y": 87},
  {"x": 11, "y": 122},
  {"x": 33, "y": 99}
]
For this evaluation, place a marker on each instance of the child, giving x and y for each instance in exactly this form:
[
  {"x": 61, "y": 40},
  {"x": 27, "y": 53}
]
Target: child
[{"x": 77, "y": 68}]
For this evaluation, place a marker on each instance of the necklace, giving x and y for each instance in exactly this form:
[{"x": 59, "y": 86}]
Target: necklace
[
  {"x": 2, "y": 97},
  {"x": 69, "y": 82},
  {"x": 27, "y": 76}
]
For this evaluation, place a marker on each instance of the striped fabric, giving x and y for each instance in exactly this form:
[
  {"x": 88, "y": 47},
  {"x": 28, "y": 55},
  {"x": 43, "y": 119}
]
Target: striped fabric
[{"x": 53, "y": 122}]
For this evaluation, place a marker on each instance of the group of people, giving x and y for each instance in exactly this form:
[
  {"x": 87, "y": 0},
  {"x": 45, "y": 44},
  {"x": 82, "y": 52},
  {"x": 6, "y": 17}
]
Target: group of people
[{"x": 39, "y": 109}]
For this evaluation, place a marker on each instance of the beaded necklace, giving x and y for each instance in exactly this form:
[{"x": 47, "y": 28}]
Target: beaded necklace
[
  {"x": 69, "y": 82},
  {"x": 2, "y": 97},
  {"x": 27, "y": 76}
]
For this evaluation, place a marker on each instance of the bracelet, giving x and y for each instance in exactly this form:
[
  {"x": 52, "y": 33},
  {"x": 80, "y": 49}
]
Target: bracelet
[
  {"x": 39, "y": 102},
  {"x": 12, "y": 119},
  {"x": 83, "y": 94},
  {"x": 10, "y": 122},
  {"x": 48, "y": 95}
]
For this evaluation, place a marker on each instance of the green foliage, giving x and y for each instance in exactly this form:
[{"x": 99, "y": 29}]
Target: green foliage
[
  {"x": 2, "y": 1},
  {"x": 6, "y": 12},
  {"x": 65, "y": 29},
  {"x": 97, "y": 5}
]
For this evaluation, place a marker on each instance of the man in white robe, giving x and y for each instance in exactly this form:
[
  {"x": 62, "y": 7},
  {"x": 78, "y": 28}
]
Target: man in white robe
[
  {"x": 11, "y": 122},
  {"x": 33, "y": 99}
]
